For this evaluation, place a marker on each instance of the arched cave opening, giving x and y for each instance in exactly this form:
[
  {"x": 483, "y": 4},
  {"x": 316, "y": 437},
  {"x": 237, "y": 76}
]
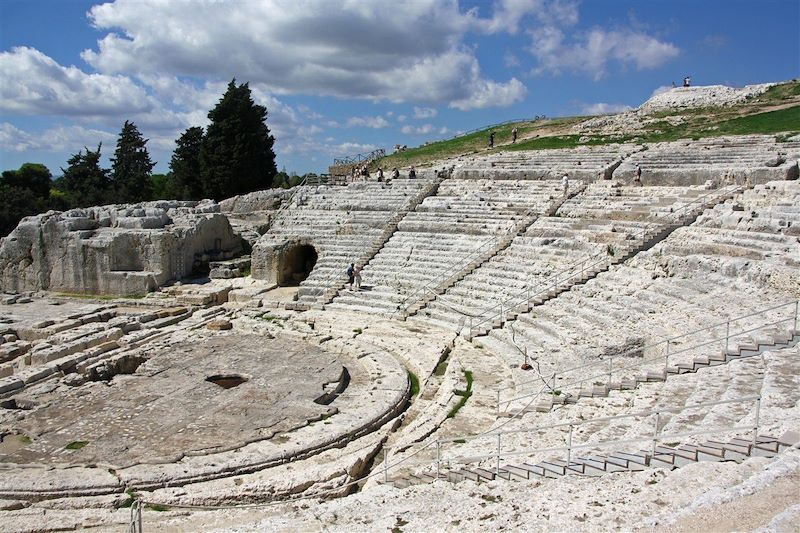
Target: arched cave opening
[{"x": 296, "y": 265}]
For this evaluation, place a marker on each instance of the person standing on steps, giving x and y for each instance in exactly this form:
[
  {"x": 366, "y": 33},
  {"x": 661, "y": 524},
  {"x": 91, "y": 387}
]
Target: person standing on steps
[
  {"x": 380, "y": 174},
  {"x": 565, "y": 183},
  {"x": 638, "y": 179},
  {"x": 350, "y": 274},
  {"x": 491, "y": 140},
  {"x": 514, "y": 135},
  {"x": 395, "y": 173},
  {"x": 412, "y": 174},
  {"x": 357, "y": 278}
]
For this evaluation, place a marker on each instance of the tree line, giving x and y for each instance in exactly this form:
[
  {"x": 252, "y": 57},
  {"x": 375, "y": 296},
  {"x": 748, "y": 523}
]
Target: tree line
[{"x": 232, "y": 155}]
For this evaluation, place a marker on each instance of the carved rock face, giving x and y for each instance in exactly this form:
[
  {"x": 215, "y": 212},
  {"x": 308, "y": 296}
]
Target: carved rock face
[{"x": 117, "y": 249}]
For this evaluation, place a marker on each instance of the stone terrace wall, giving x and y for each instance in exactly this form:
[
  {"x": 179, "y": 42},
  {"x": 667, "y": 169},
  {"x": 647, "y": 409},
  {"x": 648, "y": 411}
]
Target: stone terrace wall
[
  {"x": 114, "y": 249},
  {"x": 757, "y": 158}
]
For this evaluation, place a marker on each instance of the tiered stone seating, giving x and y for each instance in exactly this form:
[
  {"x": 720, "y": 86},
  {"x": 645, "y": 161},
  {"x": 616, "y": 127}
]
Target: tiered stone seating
[
  {"x": 604, "y": 220},
  {"x": 587, "y": 163},
  {"x": 433, "y": 241},
  {"x": 699, "y": 276},
  {"x": 344, "y": 224},
  {"x": 756, "y": 158}
]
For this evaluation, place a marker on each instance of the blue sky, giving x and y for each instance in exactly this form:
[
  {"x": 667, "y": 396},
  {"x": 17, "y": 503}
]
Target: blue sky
[{"x": 343, "y": 77}]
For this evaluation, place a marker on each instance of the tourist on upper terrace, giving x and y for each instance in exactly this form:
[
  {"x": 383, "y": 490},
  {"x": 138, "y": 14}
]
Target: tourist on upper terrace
[
  {"x": 514, "y": 135},
  {"x": 412, "y": 174},
  {"x": 491, "y": 140},
  {"x": 395, "y": 173},
  {"x": 565, "y": 183},
  {"x": 357, "y": 278}
]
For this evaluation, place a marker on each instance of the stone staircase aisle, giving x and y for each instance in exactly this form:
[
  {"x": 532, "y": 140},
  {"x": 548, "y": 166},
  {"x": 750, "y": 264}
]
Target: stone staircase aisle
[{"x": 735, "y": 449}]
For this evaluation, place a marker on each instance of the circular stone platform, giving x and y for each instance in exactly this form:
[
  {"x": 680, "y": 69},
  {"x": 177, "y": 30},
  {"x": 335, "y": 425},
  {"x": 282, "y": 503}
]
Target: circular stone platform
[{"x": 203, "y": 396}]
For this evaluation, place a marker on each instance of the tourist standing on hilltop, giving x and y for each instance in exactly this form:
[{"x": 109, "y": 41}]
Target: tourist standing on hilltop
[
  {"x": 514, "y": 135},
  {"x": 491, "y": 140}
]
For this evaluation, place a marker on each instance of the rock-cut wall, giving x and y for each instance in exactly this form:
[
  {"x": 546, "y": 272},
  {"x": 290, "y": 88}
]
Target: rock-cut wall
[{"x": 114, "y": 249}]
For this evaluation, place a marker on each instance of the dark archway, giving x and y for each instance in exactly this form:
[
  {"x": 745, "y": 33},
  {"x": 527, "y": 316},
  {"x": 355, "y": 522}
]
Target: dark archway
[{"x": 297, "y": 263}]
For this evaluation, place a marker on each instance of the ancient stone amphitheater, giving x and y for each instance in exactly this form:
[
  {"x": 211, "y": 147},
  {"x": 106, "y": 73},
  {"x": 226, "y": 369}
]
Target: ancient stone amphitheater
[{"x": 618, "y": 355}]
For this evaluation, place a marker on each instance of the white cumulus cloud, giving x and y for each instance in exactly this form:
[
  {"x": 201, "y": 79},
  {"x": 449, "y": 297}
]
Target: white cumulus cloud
[
  {"x": 425, "y": 112},
  {"x": 369, "y": 50},
  {"x": 33, "y": 83},
  {"x": 602, "y": 108},
  {"x": 591, "y": 53},
  {"x": 367, "y": 122}
]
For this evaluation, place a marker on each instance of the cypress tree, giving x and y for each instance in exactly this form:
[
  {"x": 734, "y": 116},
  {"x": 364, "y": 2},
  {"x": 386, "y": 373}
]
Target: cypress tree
[
  {"x": 131, "y": 166},
  {"x": 185, "y": 165},
  {"x": 237, "y": 155},
  {"x": 84, "y": 182}
]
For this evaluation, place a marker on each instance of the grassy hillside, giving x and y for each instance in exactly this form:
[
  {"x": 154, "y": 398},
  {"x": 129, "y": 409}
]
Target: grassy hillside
[{"x": 775, "y": 111}]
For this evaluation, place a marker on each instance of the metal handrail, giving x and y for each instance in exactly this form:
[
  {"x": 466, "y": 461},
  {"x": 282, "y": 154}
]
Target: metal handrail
[
  {"x": 526, "y": 295},
  {"x": 675, "y": 338},
  {"x": 638, "y": 365},
  {"x": 654, "y": 438}
]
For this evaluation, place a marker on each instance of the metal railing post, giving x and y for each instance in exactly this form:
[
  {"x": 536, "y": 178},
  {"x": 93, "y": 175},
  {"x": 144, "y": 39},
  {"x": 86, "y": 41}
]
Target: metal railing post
[
  {"x": 610, "y": 368},
  {"x": 569, "y": 444},
  {"x": 497, "y": 466},
  {"x": 756, "y": 421},
  {"x": 553, "y": 384},
  {"x": 796, "y": 313},
  {"x": 386, "y": 464},
  {"x": 666, "y": 360},
  {"x": 498, "y": 402},
  {"x": 655, "y": 432},
  {"x": 727, "y": 335},
  {"x": 438, "y": 457}
]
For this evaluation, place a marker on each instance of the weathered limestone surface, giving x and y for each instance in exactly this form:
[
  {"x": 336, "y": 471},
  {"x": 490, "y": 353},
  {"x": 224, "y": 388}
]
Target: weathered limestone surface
[
  {"x": 742, "y": 159},
  {"x": 115, "y": 249}
]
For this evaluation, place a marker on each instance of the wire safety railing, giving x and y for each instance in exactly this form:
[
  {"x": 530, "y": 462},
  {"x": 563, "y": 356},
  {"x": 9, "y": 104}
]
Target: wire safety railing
[
  {"x": 606, "y": 369},
  {"x": 523, "y": 298},
  {"x": 444, "y": 460}
]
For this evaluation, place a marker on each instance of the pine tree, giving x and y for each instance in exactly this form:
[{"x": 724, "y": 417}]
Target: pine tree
[
  {"x": 237, "y": 155},
  {"x": 84, "y": 182},
  {"x": 131, "y": 166},
  {"x": 185, "y": 165}
]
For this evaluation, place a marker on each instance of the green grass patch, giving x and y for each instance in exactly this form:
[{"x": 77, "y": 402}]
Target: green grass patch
[
  {"x": 414, "y": 383},
  {"x": 157, "y": 507},
  {"x": 465, "y": 395},
  {"x": 76, "y": 445},
  {"x": 358, "y": 331},
  {"x": 268, "y": 317},
  {"x": 777, "y": 121},
  {"x": 24, "y": 439},
  {"x": 441, "y": 368}
]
